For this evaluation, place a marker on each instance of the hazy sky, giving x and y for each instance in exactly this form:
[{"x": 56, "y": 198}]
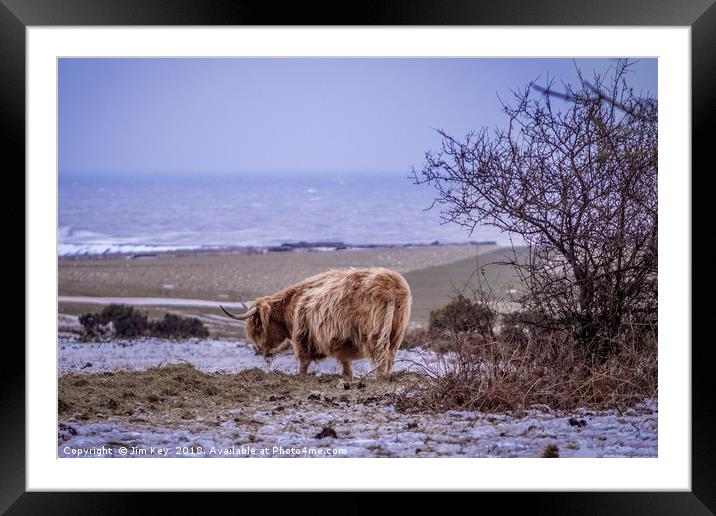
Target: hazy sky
[{"x": 285, "y": 115}]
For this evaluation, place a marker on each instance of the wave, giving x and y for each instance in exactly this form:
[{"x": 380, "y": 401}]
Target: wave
[{"x": 100, "y": 248}]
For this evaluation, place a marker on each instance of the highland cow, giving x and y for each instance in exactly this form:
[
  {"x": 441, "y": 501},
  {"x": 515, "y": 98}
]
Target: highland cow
[{"x": 352, "y": 314}]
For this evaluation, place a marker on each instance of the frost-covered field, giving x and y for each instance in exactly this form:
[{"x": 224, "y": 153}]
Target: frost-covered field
[
  {"x": 375, "y": 431},
  {"x": 263, "y": 409},
  {"x": 206, "y": 355}
]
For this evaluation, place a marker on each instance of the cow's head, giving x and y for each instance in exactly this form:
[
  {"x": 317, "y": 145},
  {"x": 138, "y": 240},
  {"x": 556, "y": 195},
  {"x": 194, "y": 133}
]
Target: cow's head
[{"x": 262, "y": 326}]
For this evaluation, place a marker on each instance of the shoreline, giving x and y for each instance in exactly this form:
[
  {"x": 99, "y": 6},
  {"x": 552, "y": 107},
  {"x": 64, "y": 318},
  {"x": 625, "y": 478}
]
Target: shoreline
[{"x": 285, "y": 247}]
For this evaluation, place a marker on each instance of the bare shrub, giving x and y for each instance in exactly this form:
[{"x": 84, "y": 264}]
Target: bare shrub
[{"x": 575, "y": 180}]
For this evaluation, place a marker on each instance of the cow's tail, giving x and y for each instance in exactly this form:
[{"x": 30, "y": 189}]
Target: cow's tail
[{"x": 383, "y": 351}]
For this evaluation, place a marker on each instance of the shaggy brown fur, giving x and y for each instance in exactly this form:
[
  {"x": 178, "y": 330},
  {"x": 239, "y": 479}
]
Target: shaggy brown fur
[{"x": 358, "y": 313}]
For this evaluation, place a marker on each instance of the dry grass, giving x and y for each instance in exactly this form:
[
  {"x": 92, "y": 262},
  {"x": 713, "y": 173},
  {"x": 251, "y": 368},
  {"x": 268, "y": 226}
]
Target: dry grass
[
  {"x": 178, "y": 394},
  {"x": 494, "y": 376},
  {"x": 178, "y": 391}
]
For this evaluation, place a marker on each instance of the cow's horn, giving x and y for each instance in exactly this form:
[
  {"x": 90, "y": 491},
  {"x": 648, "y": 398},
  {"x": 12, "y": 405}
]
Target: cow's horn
[{"x": 241, "y": 317}]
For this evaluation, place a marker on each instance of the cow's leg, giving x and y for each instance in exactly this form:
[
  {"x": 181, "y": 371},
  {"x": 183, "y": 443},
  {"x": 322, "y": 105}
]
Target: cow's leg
[
  {"x": 392, "y": 351},
  {"x": 347, "y": 371},
  {"x": 400, "y": 325},
  {"x": 301, "y": 350},
  {"x": 389, "y": 363},
  {"x": 304, "y": 362},
  {"x": 386, "y": 368},
  {"x": 383, "y": 352},
  {"x": 380, "y": 361}
]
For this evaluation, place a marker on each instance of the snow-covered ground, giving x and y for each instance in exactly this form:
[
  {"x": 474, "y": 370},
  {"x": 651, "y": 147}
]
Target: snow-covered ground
[
  {"x": 380, "y": 431},
  {"x": 206, "y": 355},
  {"x": 332, "y": 421}
]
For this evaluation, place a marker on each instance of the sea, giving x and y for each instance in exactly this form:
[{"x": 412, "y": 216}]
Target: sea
[{"x": 144, "y": 213}]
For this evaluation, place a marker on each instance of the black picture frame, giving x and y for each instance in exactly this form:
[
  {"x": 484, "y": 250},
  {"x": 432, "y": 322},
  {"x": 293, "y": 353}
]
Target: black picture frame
[{"x": 700, "y": 15}]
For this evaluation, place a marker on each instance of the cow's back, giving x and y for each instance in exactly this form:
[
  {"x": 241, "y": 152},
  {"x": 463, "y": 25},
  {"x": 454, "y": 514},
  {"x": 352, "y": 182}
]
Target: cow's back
[{"x": 338, "y": 308}]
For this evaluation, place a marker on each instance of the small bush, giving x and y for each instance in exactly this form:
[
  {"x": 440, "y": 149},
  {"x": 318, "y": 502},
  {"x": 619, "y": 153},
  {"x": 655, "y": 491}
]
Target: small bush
[
  {"x": 177, "y": 327},
  {"x": 92, "y": 327},
  {"x": 115, "y": 312},
  {"x": 463, "y": 315},
  {"x": 114, "y": 320},
  {"x": 124, "y": 321}
]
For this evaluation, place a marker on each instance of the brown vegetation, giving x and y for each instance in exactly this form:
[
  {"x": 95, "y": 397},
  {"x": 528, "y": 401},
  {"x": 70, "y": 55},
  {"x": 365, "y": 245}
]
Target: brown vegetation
[
  {"x": 178, "y": 394},
  {"x": 549, "y": 368}
]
